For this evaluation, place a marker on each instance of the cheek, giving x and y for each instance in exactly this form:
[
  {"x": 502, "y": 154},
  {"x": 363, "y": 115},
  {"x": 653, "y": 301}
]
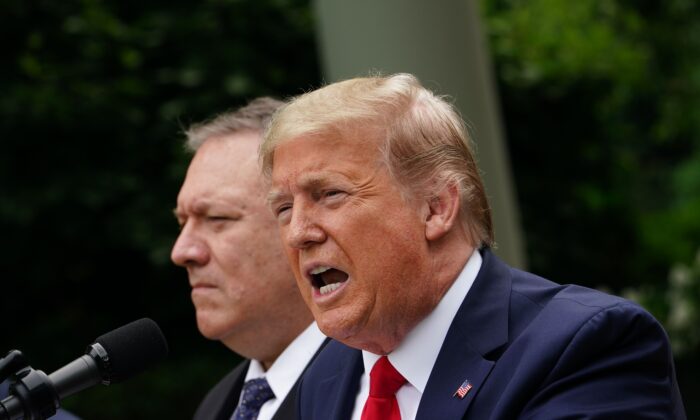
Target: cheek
[
  {"x": 385, "y": 250},
  {"x": 303, "y": 285},
  {"x": 387, "y": 265},
  {"x": 255, "y": 251},
  {"x": 235, "y": 293},
  {"x": 305, "y": 291},
  {"x": 291, "y": 257}
]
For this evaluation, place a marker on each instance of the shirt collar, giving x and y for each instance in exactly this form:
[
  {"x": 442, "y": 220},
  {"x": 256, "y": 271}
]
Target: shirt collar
[
  {"x": 415, "y": 356},
  {"x": 289, "y": 365}
]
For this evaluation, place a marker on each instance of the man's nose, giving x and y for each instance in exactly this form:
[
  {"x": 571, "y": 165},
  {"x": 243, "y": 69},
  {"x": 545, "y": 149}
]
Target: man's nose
[
  {"x": 303, "y": 231},
  {"x": 189, "y": 249}
]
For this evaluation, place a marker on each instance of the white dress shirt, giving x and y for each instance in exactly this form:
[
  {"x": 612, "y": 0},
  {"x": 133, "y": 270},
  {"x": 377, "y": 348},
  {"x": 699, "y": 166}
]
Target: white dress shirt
[
  {"x": 415, "y": 356},
  {"x": 285, "y": 371}
]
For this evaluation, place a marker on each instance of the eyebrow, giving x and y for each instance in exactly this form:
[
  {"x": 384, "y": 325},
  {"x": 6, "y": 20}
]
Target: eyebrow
[
  {"x": 313, "y": 182},
  {"x": 307, "y": 182},
  {"x": 274, "y": 196},
  {"x": 199, "y": 206}
]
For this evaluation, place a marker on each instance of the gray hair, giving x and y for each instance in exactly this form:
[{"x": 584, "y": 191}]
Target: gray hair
[{"x": 255, "y": 116}]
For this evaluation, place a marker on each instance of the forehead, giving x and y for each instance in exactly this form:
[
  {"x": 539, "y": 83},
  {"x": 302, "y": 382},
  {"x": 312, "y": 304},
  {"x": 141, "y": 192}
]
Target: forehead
[
  {"x": 305, "y": 157},
  {"x": 222, "y": 166}
]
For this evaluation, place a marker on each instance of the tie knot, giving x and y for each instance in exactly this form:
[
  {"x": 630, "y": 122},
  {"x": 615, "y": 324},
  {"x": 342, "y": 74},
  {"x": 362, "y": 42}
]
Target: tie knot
[
  {"x": 384, "y": 379},
  {"x": 255, "y": 393}
]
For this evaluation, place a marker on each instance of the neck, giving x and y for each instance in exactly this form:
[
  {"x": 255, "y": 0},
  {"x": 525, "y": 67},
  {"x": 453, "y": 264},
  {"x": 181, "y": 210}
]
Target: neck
[{"x": 266, "y": 346}]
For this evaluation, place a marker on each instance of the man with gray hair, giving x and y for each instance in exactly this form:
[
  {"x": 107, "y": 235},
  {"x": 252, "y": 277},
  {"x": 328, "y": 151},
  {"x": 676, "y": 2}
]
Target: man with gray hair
[
  {"x": 386, "y": 223},
  {"x": 242, "y": 287}
]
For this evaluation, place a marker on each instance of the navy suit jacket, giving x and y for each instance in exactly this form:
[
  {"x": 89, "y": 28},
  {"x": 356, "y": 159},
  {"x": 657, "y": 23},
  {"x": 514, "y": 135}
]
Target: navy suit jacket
[{"x": 531, "y": 349}]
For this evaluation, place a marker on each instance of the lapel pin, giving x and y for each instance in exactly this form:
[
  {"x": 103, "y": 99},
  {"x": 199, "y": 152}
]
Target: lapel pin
[{"x": 463, "y": 389}]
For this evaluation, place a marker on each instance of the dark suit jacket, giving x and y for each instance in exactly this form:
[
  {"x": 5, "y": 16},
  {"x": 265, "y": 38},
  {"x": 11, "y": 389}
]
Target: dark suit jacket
[
  {"x": 222, "y": 400},
  {"x": 531, "y": 349}
]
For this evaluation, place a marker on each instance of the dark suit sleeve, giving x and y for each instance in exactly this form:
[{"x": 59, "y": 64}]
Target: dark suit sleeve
[{"x": 617, "y": 366}]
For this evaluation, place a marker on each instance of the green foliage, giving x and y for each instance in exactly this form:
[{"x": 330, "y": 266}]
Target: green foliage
[
  {"x": 601, "y": 106},
  {"x": 561, "y": 41},
  {"x": 94, "y": 97},
  {"x": 677, "y": 304},
  {"x": 684, "y": 303}
]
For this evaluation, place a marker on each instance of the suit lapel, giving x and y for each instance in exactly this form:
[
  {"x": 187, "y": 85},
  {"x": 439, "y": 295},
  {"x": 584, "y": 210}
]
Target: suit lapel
[
  {"x": 288, "y": 407},
  {"x": 232, "y": 388},
  {"x": 346, "y": 386},
  {"x": 478, "y": 331},
  {"x": 337, "y": 392}
]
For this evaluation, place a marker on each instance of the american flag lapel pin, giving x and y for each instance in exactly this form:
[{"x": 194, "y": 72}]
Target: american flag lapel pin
[{"x": 463, "y": 389}]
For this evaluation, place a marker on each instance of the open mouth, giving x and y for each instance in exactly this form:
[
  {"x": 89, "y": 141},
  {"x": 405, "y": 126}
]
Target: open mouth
[{"x": 327, "y": 279}]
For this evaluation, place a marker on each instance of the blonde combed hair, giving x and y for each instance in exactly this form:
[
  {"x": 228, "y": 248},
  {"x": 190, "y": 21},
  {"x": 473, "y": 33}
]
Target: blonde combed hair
[{"x": 425, "y": 146}]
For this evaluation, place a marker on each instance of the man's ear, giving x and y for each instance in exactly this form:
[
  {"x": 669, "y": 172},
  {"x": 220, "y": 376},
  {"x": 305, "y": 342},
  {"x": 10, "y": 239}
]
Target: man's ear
[{"x": 443, "y": 212}]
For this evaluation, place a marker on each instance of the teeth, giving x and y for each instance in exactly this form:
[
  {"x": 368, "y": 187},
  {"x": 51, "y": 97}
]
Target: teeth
[
  {"x": 329, "y": 288},
  {"x": 319, "y": 270}
]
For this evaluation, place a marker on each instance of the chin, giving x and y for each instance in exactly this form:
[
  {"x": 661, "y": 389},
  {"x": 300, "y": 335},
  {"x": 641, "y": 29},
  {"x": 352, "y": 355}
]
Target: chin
[
  {"x": 337, "y": 327},
  {"x": 210, "y": 329},
  {"x": 357, "y": 334},
  {"x": 207, "y": 331}
]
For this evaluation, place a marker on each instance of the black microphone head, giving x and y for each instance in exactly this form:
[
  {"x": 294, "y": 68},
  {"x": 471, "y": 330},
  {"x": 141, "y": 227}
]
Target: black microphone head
[{"x": 132, "y": 348}]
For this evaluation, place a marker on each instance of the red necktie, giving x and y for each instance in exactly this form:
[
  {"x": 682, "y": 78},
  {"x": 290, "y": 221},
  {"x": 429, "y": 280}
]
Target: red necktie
[{"x": 384, "y": 381}]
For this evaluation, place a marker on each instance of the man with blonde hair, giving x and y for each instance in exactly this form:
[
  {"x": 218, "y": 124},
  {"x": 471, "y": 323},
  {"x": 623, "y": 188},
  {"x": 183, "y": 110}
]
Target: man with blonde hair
[
  {"x": 386, "y": 224},
  {"x": 242, "y": 288}
]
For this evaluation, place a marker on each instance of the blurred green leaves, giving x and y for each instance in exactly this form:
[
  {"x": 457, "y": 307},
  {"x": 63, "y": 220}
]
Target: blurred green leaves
[
  {"x": 601, "y": 103},
  {"x": 560, "y": 41},
  {"x": 677, "y": 304},
  {"x": 94, "y": 97}
]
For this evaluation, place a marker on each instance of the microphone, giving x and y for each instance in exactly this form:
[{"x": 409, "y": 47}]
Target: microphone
[{"x": 112, "y": 358}]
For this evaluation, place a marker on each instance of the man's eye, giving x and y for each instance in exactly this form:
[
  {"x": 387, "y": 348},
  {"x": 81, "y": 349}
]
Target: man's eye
[
  {"x": 219, "y": 219},
  {"x": 282, "y": 209},
  {"x": 333, "y": 195}
]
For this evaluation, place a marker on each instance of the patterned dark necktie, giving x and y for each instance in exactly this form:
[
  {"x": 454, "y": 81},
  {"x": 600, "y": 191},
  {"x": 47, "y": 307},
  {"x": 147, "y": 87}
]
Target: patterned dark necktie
[
  {"x": 384, "y": 381},
  {"x": 255, "y": 393}
]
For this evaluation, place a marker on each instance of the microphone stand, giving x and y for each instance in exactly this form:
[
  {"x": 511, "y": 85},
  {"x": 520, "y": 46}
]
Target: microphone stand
[
  {"x": 11, "y": 364},
  {"x": 36, "y": 398}
]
